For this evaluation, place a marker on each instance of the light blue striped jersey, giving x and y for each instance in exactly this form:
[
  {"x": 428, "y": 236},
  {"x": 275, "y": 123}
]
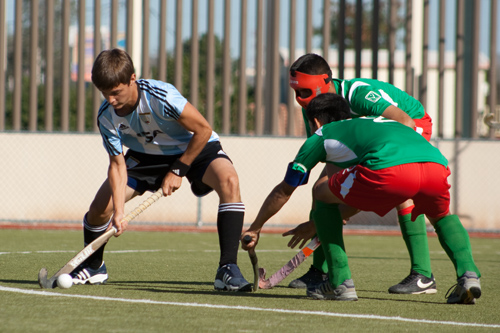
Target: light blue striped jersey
[{"x": 152, "y": 128}]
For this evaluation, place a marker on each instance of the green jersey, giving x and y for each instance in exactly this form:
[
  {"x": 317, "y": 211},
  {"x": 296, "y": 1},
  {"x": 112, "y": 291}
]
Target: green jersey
[
  {"x": 373, "y": 142},
  {"x": 368, "y": 97}
]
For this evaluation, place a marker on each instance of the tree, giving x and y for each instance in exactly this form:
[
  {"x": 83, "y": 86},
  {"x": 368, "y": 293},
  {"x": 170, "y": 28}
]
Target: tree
[{"x": 367, "y": 20}]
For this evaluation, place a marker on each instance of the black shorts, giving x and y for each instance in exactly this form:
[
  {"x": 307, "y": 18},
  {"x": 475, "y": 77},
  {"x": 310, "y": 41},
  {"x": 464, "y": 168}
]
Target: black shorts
[{"x": 146, "y": 171}]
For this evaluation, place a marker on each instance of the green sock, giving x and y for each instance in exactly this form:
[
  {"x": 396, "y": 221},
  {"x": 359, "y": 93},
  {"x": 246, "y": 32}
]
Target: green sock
[
  {"x": 319, "y": 261},
  {"x": 329, "y": 227},
  {"x": 415, "y": 237},
  {"x": 455, "y": 241}
]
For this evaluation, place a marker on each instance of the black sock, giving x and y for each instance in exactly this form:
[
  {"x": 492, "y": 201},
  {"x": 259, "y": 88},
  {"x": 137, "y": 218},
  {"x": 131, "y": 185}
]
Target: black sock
[
  {"x": 91, "y": 233},
  {"x": 229, "y": 228}
]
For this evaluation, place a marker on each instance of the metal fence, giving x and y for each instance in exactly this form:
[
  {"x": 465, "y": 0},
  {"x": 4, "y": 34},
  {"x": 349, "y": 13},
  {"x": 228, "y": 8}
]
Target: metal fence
[{"x": 230, "y": 58}]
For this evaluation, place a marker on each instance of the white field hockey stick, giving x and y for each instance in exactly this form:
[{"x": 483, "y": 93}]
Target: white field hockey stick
[
  {"x": 94, "y": 246},
  {"x": 289, "y": 267}
]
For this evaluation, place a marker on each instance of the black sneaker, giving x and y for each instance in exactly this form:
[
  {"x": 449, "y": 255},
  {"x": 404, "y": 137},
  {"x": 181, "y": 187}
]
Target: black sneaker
[
  {"x": 312, "y": 278},
  {"x": 415, "y": 283},
  {"x": 229, "y": 278},
  {"x": 83, "y": 275}
]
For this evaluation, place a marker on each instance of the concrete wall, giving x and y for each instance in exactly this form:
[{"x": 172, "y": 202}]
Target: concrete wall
[{"x": 53, "y": 178}]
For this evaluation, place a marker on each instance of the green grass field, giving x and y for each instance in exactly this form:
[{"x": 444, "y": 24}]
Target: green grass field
[{"x": 163, "y": 282}]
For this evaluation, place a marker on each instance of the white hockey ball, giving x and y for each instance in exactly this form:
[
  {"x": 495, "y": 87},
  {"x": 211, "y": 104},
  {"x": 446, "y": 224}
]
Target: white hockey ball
[{"x": 64, "y": 281}]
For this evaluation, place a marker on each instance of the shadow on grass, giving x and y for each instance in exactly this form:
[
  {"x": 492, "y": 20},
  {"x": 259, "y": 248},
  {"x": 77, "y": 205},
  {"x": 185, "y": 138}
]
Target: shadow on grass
[
  {"x": 30, "y": 282},
  {"x": 392, "y": 297},
  {"x": 174, "y": 289},
  {"x": 181, "y": 287}
]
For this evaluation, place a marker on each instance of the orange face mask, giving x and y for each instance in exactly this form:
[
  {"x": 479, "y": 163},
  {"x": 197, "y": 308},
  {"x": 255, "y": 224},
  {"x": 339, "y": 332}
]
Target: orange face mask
[{"x": 318, "y": 84}]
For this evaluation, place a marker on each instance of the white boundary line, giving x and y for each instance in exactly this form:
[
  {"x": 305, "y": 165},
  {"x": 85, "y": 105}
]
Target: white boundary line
[
  {"x": 64, "y": 251},
  {"x": 248, "y": 308}
]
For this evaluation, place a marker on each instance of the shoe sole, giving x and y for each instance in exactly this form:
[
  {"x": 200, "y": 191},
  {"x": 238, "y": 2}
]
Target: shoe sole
[
  {"x": 468, "y": 297},
  {"x": 475, "y": 291},
  {"x": 426, "y": 291},
  {"x": 297, "y": 285},
  {"x": 343, "y": 298},
  {"x": 471, "y": 295},
  {"x": 221, "y": 286},
  {"x": 349, "y": 296},
  {"x": 94, "y": 280}
]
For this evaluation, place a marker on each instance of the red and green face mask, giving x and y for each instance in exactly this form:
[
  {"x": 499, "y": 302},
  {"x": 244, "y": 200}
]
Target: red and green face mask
[{"x": 317, "y": 84}]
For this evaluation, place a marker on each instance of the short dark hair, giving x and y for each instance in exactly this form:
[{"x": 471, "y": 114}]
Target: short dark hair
[
  {"x": 327, "y": 108},
  {"x": 311, "y": 64},
  {"x": 112, "y": 68}
]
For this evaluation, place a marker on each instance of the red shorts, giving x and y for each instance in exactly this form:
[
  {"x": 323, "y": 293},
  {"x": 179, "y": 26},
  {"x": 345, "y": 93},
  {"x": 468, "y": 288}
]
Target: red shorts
[
  {"x": 380, "y": 191},
  {"x": 424, "y": 126}
]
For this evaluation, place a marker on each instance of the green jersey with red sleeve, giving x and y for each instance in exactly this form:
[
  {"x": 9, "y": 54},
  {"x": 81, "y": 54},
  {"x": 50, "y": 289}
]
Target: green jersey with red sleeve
[
  {"x": 369, "y": 97},
  {"x": 374, "y": 142}
]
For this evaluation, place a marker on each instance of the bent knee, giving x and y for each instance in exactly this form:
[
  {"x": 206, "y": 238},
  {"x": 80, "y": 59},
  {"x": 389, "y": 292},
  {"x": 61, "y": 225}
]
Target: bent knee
[
  {"x": 230, "y": 187},
  {"x": 98, "y": 214}
]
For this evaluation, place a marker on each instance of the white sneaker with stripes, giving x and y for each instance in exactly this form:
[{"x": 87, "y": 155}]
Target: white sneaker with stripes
[{"x": 83, "y": 275}]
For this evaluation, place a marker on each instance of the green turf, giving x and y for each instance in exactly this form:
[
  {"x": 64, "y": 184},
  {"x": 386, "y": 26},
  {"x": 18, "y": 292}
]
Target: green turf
[{"x": 165, "y": 284}]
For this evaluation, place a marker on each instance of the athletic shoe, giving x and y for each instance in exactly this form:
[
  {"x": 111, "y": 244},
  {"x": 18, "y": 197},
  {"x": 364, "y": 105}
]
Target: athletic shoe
[
  {"x": 83, "y": 275},
  {"x": 312, "y": 278},
  {"x": 415, "y": 283},
  {"x": 467, "y": 289},
  {"x": 325, "y": 291},
  {"x": 229, "y": 278}
]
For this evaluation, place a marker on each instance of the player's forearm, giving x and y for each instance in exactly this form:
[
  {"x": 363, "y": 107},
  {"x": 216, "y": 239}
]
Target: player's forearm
[
  {"x": 395, "y": 113},
  {"x": 272, "y": 205},
  {"x": 117, "y": 176},
  {"x": 193, "y": 121}
]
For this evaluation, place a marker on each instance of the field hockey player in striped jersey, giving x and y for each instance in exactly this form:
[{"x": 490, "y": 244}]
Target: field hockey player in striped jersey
[{"x": 167, "y": 139}]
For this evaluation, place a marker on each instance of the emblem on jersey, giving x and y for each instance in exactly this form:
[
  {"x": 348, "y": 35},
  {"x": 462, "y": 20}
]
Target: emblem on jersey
[
  {"x": 221, "y": 152},
  {"x": 372, "y": 97},
  {"x": 145, "y": 117},
  {"x": 123, "y": 127}
]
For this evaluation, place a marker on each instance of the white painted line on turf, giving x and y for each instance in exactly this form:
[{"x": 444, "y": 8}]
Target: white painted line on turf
[
  {"x": 249, "y": 308},
  {"x": 137, "y": 251},
  {"x": 60, "y": 251}
]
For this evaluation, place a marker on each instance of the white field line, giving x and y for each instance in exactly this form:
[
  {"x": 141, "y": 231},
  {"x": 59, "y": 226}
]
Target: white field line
[
  {"x": 134, "y": 251},
  {"x": 56, "y": 251},
  {"x": 248, "y": 308}
]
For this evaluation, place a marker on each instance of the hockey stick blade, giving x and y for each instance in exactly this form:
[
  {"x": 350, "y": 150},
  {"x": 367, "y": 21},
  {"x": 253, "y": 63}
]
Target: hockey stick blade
[
  {"x": 94, "y": 246},
  {"x": 43, "y": 281},
  {"x": 290, "y": 266},
  {"x": 263, "y": 282},
  {"x": 255, "y": 263}
]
